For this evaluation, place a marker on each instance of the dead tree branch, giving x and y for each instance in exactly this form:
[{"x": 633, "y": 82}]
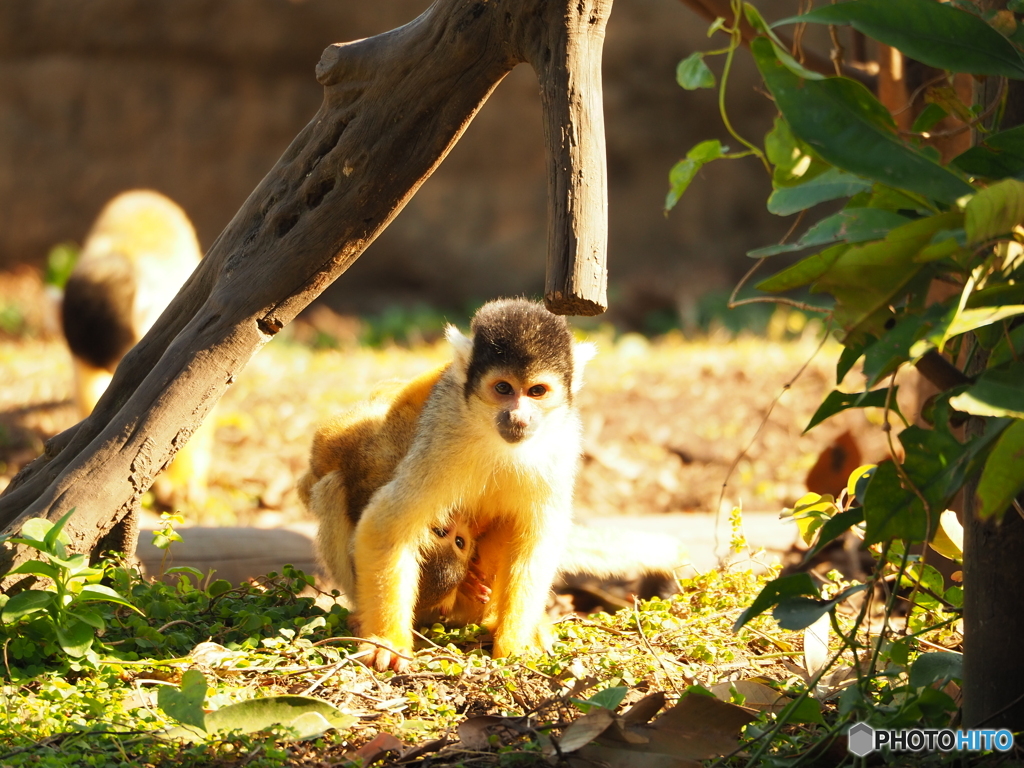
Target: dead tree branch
[{"x": 394, "y": 105}]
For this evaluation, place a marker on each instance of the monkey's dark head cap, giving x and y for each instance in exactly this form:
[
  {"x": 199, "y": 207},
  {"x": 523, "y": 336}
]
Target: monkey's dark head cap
[{"x": 522, "y": 336}]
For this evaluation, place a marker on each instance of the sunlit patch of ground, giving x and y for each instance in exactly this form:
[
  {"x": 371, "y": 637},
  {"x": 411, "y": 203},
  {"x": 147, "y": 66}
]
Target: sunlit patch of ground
[{"x": 664, "y": 420}]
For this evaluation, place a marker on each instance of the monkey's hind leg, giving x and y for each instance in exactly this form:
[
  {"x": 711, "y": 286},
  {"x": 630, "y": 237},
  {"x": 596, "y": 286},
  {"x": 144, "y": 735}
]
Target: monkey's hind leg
[{"x": 326, "y": 499}]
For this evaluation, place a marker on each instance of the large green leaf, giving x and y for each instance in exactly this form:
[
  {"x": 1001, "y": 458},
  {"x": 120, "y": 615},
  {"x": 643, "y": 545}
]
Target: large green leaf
[
  {"x": 997, "y": 156},
  {"x": 893, "y": 348},
  {"x": 805, "y": 271},
  {"x": 994, "y": 211},
  {"x": 833, "y": 528},
  {"x": 937, "y": 34},
  {"x": 828, "y": 185},
  {"x": 774, "y": 592},
  {"x": 24, "y": 603},
  {"x": 853, "y": 225},
  {"x": 840, "y": 401},
  {"x": 865, "y": 278},
  {"x": 185, "y": 704},
  {"x": 931, "y": 668},
  {"x": 1003, "y": 476},
  {"x": 937, "y": 465},
  {"x": 76, "y": 637},
  {"x": 997, "y": 392},
  {"x": 308, "y": 717},
  {"x": 847, "y": 126},
  {"x": 800, "y": 612}
]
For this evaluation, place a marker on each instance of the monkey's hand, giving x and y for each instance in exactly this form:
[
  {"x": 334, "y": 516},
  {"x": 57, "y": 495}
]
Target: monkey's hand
[
  {"x": 476, "y": 586},
  {"x": 381, "y": 654}
]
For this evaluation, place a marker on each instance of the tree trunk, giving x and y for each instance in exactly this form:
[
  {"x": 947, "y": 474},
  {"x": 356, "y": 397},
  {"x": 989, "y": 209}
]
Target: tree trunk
[
  {"x": 393, "y": 107},
  {"x": 993, "y": 568}
]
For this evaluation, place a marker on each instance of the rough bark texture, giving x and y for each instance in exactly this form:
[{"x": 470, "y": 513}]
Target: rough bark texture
[
  {"x": 993, "y": 687},
  {"x": 394, "y": 105}
]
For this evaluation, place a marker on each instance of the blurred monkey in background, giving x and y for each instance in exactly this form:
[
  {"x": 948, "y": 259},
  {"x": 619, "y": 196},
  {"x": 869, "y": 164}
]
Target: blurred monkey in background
[{"x": 136, "y": 257}]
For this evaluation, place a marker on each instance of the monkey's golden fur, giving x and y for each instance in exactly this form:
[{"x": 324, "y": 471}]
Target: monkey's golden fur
[
  {"x": 491, "y": 440},
  {"x": 352, "y": 456}
]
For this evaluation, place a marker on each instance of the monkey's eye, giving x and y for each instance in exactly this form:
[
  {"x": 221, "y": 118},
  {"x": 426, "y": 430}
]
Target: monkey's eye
[
  {"x": 504, "y": 388},
  {"x": 440, "y": 532},
  {"x": 537, "y": 390},
  {"x": 460, "y": 542}
]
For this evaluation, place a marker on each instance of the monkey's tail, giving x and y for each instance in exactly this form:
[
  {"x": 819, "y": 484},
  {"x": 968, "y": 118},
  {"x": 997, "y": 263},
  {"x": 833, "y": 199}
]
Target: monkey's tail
[{"x": 614, "y": 553}]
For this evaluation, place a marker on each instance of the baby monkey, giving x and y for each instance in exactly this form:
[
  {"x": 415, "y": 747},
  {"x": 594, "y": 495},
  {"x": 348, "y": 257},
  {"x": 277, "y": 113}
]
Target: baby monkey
[{"x": 490, "y": 441}]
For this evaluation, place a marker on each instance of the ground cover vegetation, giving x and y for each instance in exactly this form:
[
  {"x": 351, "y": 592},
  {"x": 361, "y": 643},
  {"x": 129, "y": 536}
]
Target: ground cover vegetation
[{"x": 104, "y": 667}]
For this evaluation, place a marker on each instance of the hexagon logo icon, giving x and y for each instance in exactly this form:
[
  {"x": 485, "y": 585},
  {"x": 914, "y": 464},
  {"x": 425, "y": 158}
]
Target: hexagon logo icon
[{"x": 860, "y": 739}]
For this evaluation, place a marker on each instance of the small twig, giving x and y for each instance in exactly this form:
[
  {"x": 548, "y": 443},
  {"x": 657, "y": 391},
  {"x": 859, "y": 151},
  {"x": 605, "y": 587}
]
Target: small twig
[
  {"x": 736, "y": 462},
  {"x": 650, "y": 650},
  {"x": 333, "y": 668}
]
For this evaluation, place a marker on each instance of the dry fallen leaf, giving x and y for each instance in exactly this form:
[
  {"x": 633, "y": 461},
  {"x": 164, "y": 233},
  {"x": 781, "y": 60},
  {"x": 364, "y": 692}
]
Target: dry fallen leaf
[
  {"x": 378, "y": 747},
  {"x": 756, "y": 695}
]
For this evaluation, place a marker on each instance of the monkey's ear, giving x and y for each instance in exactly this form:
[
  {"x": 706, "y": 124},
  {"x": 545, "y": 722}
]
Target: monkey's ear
[
  {"x": 582, "y": 353},
  {"x": 462, "y": 347}
]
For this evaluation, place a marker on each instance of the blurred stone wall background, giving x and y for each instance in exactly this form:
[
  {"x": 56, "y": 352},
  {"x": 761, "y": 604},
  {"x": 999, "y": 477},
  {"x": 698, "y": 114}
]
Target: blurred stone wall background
[{"x": 198, "y": 99}]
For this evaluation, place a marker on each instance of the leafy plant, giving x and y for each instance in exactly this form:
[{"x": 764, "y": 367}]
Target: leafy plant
[
  {"x": 906, "y": 220},
  {"x": 63, "y": 610}
]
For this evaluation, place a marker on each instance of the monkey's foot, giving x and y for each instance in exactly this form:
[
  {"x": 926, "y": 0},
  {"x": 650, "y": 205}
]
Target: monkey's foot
[{"x": 382, "y": 654}]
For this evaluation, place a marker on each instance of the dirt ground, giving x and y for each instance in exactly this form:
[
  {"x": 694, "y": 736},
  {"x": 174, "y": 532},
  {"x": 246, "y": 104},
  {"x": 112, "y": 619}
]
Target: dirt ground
[{"x": 664, "y": 419}]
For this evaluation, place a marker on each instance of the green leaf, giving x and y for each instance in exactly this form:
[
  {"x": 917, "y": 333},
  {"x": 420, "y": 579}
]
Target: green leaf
[
  {"x": 931, "y": 668},
  {"x": 56, "y": 533},
  {"x": 24, "y": 603},
  {"x": 853, "y": 225},
  {"x": 850, "y": 355},
  {"x": 1002, "y": 478},
  {"x": 829, "y": 185},
  {"x": 185, "y": 704},
  {"x": 36, "y": 528},
  {"x": 833, "y": 528},
  {"x": 805, "y": 710},
  {"x": 692, "y": 73},
  {"x": 996, "y": 157},
  {"x": 684, "y": 171},
  {"x": 775, "y": 591},
  {"x": 929, "y": 116},
  {"x": 866, "y": 278},
  {"x": 994, "y": 211},
  {"x": 840, "y": 401},
  {"x": 805, "y": 271},
  {"x": 936, "y": 34},
  {"x": 799, "y": 612},
  {"x": 793, "y": 161},
  {"x": 76, "y": 637},
  {"x": 890, "y": 510},
  {"x": 972, "y": 319},
  {"x": 937, "y": 464},
  {"x": 847, "y": 126},
  {"x": 36, "y": 568},
  {"x": 88, "y": 616},
  {"x": 1008, "y": 349},
  {"x": 307, "y": 716},
  {"x": 608, "y": 698},
  {"x": 997, "y": 392},
  {"x": 105, "y": 593},
  {"x": 893, "y": 348}
]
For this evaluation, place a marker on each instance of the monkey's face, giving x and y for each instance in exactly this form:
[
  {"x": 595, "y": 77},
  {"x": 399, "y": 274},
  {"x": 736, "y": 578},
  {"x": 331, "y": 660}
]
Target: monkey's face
[
  {"x": 520, "y": 403},
  {"x": 445, "y": 563}
]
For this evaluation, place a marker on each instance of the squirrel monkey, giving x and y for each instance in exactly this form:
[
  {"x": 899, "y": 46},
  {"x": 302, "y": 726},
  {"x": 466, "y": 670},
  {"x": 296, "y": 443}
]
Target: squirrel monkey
[
  {"x": 139, "y": 252},
  {"x": 490, "y": 441}
]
